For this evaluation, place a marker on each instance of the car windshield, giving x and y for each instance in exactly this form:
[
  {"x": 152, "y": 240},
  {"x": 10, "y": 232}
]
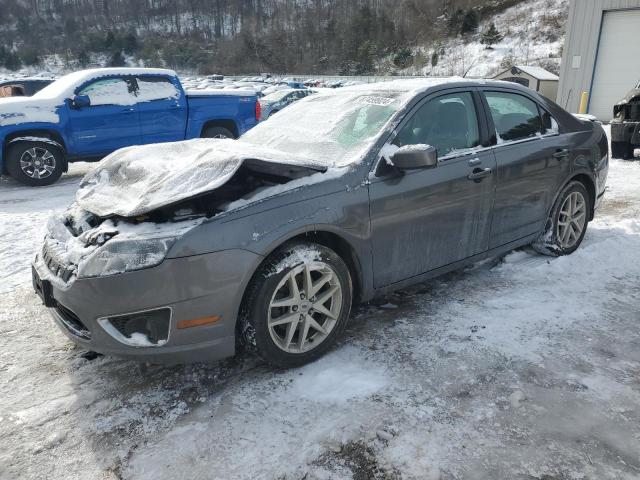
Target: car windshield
[{"x": 338, "y": 127}]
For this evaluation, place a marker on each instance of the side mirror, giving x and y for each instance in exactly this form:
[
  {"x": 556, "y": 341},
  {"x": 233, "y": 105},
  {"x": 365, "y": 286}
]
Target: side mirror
[
  {"x": 411, "y": 157},
  {"x": 80, "y": 101}
]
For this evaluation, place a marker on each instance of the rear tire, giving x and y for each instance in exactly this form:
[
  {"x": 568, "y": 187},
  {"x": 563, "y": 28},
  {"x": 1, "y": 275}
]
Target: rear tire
[
  {"x": 567, "y": 223},
  {"x": 297, "y": 305},
  {"x": 35, "y": 163},
  {"x": 217, "y": 132}
]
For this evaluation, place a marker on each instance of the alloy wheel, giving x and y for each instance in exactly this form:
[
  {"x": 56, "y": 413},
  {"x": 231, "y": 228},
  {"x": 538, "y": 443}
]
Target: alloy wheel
[
  {"x": 37, "y": 162},
  {"x": 572, "y": 220},
  {"x": 305, "y": 307}
]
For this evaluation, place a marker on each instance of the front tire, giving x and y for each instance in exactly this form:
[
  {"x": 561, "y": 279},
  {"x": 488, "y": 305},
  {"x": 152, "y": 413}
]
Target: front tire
[
  {"x": 297, "y": 305},
  {"x": 567, "y": 223},
  {"x": 35, "y": 163}
]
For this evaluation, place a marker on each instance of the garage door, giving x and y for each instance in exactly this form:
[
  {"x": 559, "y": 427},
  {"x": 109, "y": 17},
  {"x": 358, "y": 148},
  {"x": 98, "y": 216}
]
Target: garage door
[{"x": 618, "y": 61}]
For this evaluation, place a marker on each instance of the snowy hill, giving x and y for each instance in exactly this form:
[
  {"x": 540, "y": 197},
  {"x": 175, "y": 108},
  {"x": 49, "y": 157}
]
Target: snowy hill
[{"x": 533, "y": 34}]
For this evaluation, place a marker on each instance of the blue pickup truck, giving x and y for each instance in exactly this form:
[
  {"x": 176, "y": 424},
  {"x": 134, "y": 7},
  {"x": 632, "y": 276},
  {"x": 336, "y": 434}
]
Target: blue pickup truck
[{"x": 88, "y": 114}]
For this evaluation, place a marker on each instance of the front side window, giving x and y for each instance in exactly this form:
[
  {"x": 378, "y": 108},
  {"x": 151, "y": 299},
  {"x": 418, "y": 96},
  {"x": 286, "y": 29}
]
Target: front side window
[
  {"x": 447, "y": 123},
  {"x": 156, "y": 88},
  {"x": 109, "y": 91},
  {"x": 515, "y": 117}
]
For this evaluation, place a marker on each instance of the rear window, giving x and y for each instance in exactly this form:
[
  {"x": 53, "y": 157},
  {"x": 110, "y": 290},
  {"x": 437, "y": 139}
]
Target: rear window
[{"x": 515, "y": 117}]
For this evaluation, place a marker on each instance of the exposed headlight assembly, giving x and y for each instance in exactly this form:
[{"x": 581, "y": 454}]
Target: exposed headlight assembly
[{"x": 126, "y": 255}]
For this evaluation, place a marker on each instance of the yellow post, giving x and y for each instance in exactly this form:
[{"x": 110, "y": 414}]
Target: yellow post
[{"x": 583, "y": 102}]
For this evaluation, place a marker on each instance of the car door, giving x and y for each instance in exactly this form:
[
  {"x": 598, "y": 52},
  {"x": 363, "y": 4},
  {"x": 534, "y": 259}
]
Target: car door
[
  {"x": 425, "y": 219},
  {"x": 162, "y": 109},
  {"x": 532, "y": 157},
  {"x": 110, "y": 121}
]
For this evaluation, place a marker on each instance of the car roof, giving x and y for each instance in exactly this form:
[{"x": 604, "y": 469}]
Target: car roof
[
  {"x": 423, "y": 85},
  {"x": 14, "y": 81}
]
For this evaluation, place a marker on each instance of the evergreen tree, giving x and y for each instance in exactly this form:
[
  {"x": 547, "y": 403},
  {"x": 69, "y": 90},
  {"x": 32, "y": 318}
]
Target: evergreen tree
[
  {"x": 469, "y": 22},
  {"x": 12, "y": 61},
  {"x": 491, "y": 36},
  {"x": 455, "y": 21},
  {"x": 109, "y": 40},
  {"x": 130, "y": 43},
  {"x": 117, "y": 60},
  {"x": 403, "y": 58},
  {"x": 83, "y": 58}
]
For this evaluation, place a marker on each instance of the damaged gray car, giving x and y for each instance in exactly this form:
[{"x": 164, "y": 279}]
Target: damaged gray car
[
  {"x": 183, "y": 251},
  {"x": 625, "y": 126}
]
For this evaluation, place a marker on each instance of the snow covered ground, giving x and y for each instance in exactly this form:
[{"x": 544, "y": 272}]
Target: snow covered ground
[{"x": 524, "y": 367}]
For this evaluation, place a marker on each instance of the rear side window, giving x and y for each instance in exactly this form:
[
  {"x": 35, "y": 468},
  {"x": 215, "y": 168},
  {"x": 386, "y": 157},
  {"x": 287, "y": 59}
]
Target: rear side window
[
  {"x": 448, "y": 123},
  {"x": 549, "y": 123},
  {"x": 514, "y": 116},
  {"x": 156, "y": 88}
]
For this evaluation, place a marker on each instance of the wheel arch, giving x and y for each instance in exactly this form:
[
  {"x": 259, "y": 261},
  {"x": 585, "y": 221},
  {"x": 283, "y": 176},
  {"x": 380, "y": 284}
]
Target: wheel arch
[
  {"x": 343, "y": 248},
  {"x": 590, "y": 185},
  {"x": 35, "y": 133},
  {"x": 229, "y": 124}
]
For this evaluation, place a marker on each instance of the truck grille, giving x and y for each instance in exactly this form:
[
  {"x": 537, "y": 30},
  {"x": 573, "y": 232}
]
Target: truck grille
[{"x": 55, "y": 264}]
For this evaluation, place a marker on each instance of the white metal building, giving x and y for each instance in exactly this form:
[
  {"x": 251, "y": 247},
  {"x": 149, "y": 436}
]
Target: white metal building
[{"x": 601, "y": 54}]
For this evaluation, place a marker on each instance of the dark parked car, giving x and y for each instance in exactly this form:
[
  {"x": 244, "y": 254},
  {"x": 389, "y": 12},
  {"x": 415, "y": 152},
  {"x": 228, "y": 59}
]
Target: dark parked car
[
  {"x": 276, "y": 101},
  {"x": 271, "y": 238},
  {"x": 23, "y": 87},
  {"x": 625, "y": 126}
]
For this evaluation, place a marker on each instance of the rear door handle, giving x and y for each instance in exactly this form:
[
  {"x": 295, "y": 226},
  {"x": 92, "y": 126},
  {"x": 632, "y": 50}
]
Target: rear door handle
[
  {"x": 479, "y": 173},
  {"x": 561, "y": 153}
]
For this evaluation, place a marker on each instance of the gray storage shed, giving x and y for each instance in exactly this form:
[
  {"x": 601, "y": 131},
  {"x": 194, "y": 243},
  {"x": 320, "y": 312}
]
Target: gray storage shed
[{"x": 536, "y": 78}]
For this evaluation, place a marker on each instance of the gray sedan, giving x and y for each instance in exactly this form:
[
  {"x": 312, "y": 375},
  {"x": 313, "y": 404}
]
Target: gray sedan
[{"x": 180, "y": 252}]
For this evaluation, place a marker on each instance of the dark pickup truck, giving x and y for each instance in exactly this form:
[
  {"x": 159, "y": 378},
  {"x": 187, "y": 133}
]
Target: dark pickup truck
[{"x": 625, "y": 126}]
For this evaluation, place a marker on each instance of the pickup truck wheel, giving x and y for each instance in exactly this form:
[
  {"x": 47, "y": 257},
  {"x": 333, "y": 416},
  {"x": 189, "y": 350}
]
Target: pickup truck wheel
[
  {"x": 35, "y": 163},
  {"x": 217, "y": 132},
  {"x": 297, "y": 305}
]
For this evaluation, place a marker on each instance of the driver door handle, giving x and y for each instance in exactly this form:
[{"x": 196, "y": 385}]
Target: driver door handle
[
  {"x": 561, "y": 153},
  {"x": 479, "y": 173}
]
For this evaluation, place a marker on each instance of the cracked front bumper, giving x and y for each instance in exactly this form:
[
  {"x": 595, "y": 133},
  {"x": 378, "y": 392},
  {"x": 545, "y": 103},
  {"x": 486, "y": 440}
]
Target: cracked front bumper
[{"x": 191, "y": 287}]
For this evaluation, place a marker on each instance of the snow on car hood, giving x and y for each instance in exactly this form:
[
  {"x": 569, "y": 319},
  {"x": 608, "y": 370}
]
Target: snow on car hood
[
  {"x": 137, "y": 180},
  {"x": 14, "y": 110}
]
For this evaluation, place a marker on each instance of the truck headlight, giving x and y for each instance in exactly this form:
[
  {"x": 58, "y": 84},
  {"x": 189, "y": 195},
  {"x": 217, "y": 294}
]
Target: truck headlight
[{"x": 126, "y": 255}]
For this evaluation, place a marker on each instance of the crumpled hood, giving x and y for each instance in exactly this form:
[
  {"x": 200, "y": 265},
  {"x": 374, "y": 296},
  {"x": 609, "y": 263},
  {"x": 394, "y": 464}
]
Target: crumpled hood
[
  {"x": 137, "y": 180},
  {"x": 14, "y": 110}
]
